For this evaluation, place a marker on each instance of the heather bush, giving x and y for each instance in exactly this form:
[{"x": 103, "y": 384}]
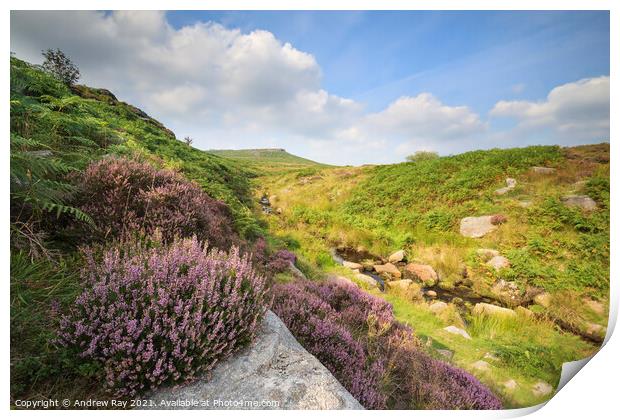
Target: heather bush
[
  {"x": 163, "y": 314},
  {"x": 281, "y": 261},
  {"x": 377, "y": 359},
  {"x": 123, "y": 196}
]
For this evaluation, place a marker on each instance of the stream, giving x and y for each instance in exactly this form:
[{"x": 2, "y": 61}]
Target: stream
[
  {"x": 339, "y": 257},
  {"x": 462, "y": 293},
  {"x": 462, "y": 296}
]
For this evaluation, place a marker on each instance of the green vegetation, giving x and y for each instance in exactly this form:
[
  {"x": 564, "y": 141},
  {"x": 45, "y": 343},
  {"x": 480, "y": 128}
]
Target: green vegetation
[
  {"x": 418, "y": 206},
  {"x": 80, "y": 124},
  {"x": 57, "y": 130},
  {"x": 421, "y": 155},
  {"x": 278, "y": 160}
]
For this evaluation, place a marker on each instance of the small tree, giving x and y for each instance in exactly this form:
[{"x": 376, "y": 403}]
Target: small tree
[
  {"x": 188, "y": 140},
  {"x": 421, "y": 155},
  {"x": 61, "y": 66}
]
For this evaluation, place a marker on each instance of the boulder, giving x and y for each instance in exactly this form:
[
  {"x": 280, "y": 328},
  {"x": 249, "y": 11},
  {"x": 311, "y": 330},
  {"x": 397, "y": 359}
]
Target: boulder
[
  {"x": 510, "y": 384},
  {"x": 431, "y": 294},
  {"x": 438, "y": 307},
  {"x": 596, "y": 307},
  {"x": 582, "y": 201},
  {"x": 542, "y": 170},
  {"x": 367, "y": 280},
  {"x": 275, "y": 368},
  {"x": 543, "y": 299},
  {"x": 388, "y": 268},
  {"x": 400, "y": 284},
  {"x": 296, "y": 271},
  {"x": 507, "y": 292},
  {"x": 424, "y": 272},
  {"x": 481, "y": 365},
  {"x": 498, "y": 262},
  {"x": 477, "y": 227},
  {"x": 486, "y": 254},
  {"x": 511, "y": 183},
  {"x": 446, "y": 354},
  {"x": 353, "y": 265},
  {"x": 453, "y": 329},
  {"x": 398, "y": 256},
  {"x": 520, "y": 310},
  {"x": 488, "y": 309},
  {"x": 595, "y": 330},
  {"x": 341, "y": 279},
  {"x": 541, "y": 388}
]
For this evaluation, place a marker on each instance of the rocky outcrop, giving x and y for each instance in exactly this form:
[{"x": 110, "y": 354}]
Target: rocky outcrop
[
  {"x": 477, "y": 227},
  {"x": 510, "y": 384},
  {"x": 582, "y": 201},
  {"x": 595, "y": 306},
  {"x": 543, "y": 299},
  {"x": 541, "y": 388},
  {"x": 388, "y": 269},
  {"x": 511, "y": 183},
  {"x": 369, "y": 281},
  {"x": 438, "y": 307},
  {"x": 508, "y": 293},
  {"x": 353, "y": 265},
  {"x": 297, "y": 273},
  {"x": 425, "y": 273},
  {"x": 481, "y": 366},
  {"x": 274, "y": 372},
  {"x": 396, "y": 257},
  {"x": 486, "y": 254},
  {"x": 453, "y": 329},
  {"x": 498, "y": 262},
  {"x": 488, "y": 309}
]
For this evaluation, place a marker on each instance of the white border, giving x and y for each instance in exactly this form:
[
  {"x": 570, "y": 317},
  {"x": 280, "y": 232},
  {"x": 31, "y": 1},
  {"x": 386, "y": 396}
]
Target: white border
[{"x": 591, "y": 395}]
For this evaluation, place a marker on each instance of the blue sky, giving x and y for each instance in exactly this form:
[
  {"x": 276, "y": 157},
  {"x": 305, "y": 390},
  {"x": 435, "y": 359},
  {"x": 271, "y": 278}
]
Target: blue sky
[
  {"x": 473, "y": 57},
  {"x": 383, "y": 83}
]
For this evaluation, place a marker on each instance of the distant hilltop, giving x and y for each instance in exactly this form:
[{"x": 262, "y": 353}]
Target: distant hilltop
[
  {"x": 272, "y": 156},
  {"x": 266, "y": 149}
]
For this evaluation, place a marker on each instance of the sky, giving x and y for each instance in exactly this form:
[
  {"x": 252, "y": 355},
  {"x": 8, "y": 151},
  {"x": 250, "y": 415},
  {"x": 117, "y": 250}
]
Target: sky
[{"x": 347, "y": 87}]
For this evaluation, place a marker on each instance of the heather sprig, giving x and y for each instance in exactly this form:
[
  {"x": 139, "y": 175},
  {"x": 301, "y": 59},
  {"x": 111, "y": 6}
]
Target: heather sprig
[
  {"x": 380, "y": 361},
  {"x": 163, "y": 314}
]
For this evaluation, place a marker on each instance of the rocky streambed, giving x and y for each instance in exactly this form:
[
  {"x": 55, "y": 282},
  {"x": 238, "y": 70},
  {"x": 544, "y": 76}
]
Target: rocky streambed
[
  {"x": 387, "y": 272},
  {"x": 506, "y": 299}
]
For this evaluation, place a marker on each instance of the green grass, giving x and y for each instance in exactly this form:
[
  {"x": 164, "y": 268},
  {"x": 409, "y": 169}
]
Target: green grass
[
  {"x": 82, "y": 124},
  {"x": 40, "y": 291},
  {"x": 268, "y": 156},
  {"x": 526, "y": 350},
  {"x": 417, "y": 206},
  {"x": 56, "y": 131}
]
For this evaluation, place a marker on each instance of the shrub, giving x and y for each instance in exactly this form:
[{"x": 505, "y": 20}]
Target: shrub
[
  {"x": 422, "y": 155},
  {"x": 60, "y": 66},
  {"x": 498, "y": 219},
  {"x": 123, "y": 196},
  {"x": 281, "y": 260},
  {"x": 162, "y": 314},
  {"x": 377, "y": 359}
]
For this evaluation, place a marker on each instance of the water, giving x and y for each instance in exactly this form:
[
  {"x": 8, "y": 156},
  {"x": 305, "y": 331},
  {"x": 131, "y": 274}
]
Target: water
[
  {"x": 465, "y": 294},
  {"x": 349, "y": 254}
]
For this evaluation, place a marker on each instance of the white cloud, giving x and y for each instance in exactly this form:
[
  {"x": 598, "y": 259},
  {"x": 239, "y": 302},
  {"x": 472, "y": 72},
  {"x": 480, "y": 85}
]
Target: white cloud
[
  {"x": 226, "y": 88},
  {"x": 578, "y": 111},
  {"x": 421, "y": 122}
]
